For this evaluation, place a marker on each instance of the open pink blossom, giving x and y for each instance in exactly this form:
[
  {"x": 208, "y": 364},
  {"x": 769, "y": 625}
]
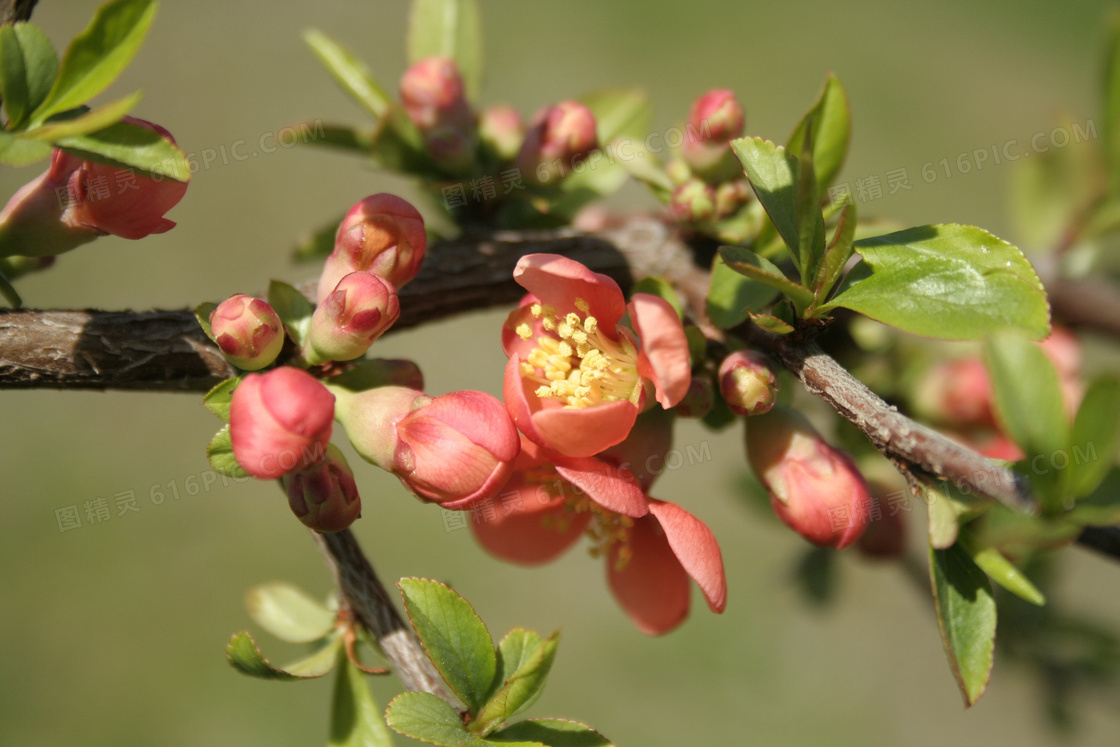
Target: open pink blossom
[
  {"x": 280, "y": 422},
  {"x": 577, "y": 378},
  {"x": 651, "y": 548}
]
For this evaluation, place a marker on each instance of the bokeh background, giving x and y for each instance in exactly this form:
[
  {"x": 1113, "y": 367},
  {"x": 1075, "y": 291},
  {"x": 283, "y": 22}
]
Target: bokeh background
[{"x": 113, "y": 634}]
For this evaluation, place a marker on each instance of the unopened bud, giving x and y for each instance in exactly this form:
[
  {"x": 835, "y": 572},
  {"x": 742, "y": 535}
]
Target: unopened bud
[
  {"x": 248, "y": 331},
  {"x": 716, "y": 119},
  {"x": 432, "y": 93},
  {"x": 730, "y": 196},
  {"x": 699, "y": 400},
  {"x": 693, "y": 202},
  {"x": 358, "y": 311},
  {"x": 558, "y": 135},
  {"x": 885, "y": 536},
  {"x": 957, "y": 392},
  {"x": 324, "y": 497},
  {"x": 501, "y": 132},
  {"x": 748, "y": 383}
]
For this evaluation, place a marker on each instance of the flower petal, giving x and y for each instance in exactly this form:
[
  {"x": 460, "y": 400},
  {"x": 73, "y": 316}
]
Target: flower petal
[
  {"x": 613, "y": 488},
  {"x": 664, "y": 357},
  {"x": 651, "y": 587},
  {"x": 559, "y": 281},
  {"x": 514, "y": 345},
  {"x": 696, "y": 548},
  {"x": 529, "y": 538},
  {"x": 582, "y": 431}
]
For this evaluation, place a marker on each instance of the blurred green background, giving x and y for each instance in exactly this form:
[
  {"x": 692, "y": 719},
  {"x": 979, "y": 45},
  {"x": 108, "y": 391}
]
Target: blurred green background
[{"x": 113, "y": 634}]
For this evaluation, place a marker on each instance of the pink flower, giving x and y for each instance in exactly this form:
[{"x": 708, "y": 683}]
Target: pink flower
[
  {"x": 324, "y": 496},
  {"x": 75, "y": 201},
  {"x": 248, "y": 331},
  {"x": 652, "y": 548},
  {"x": 358, "y": 311},
  {"x": 280, "y": 422},
  {"x": 815, "y": 489},
  {"x": 577, "y": 379},
  {"x": 382, "y": 234},
  {"x": 454, "y": 449}
]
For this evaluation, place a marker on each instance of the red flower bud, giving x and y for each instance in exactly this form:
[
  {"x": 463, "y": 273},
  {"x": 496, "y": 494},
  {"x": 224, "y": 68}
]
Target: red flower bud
[
  {"x": 501, "y": 132},
  {"x": 432, "y": 93},
  {"x": 748, "y": 383},
  {"x": 715, "y": 120},
  {"x": 324, "y": 497},
  {"x": 693, "y": 202},
  {"x": 558, "y": 135},
  {"x": 382, "y": 234},
  {"x": 280, "y": 422},
  {"x": 698, "y": 401},
  {"x": 358, "y": 311},
  {"x": 248, "y": 331},
  {"x": 958, "y": 392},
  {"x": 815, "y": 489}
]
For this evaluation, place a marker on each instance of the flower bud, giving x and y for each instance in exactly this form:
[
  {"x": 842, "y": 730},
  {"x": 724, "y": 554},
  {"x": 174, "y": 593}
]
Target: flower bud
[
  {"x": 358, "y": 311},
  {"x": 698, "y": 401},
  {"x": 76, "y": 201},
  {"x": 248, "y": 331},
  {"x": 815, "y": 489},
  {"x": 730, "y": 196},
  {"x": 558, "y": 135},
  {"x": 501, "y": 131},
  {"x": 324, "y": 497},
  {"x": 748, "y": 383},
  {"x": 957, "y": 392},
  {"x": 454, "y": 449},
  {"x": 382, "y": 234},
  {"x": 716, "y": 119},
  {"x": 693, "y": 202},
  {"x": 280, "y": 422},
  {"x": 432, "y": 94},
  {"x": 885, "y": 536}
]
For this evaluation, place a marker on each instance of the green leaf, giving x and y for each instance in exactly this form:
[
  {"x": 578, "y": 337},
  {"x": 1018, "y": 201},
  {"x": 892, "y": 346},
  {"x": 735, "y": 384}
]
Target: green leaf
[
  {"x": 816, "y": 575},
  {"x": 425, "y": 717},
  {"x": 341, "y": 137},
  {"x": 746, "y": 262},
  {"x": 1096, "y": 431},
  {"x": 945, "y": 505},
  {"x": 293, "y": 308},
  {"x": 448, "y": 28},
  {"x": 552, "y": 732},
  {"x": 831, "y": 123},
  {"x": 949, "y": 281},
  {"x": 620, "y": 113},
  {"x": 19, "y": 151},
  {"x": 454, "y": 637},
  {"x": 349, "y": 72},
  {"x": 288, "y": 613},
  {"x": 732, "y": 296},
  {"x": 966, "y": 616},
  {"x": 218, "y": 399},
  {"x": 98, "y": 55},
  {"x": 661, "y": 288},
  {"x": 1111, "y": 128},
  {"x": 1029, "y": 408},
  {"x": 28, "y": 66},
  {"x": 525, "y": 664},
  {"x": 810, "y": 221},
  {"x": 1002, "y": 571},
  {"x": 85, "y": 123},
  {"x": 132, "y": 146},
  {"x": 837, "y": 255},
  {"x": 772, "y": 324},
  {"x": 8, "y": 291},
  {"x": 773, "y": 173},
  {"x": 1101, "y": 508},
  {"x": 220, "y": 453},
  {"x": 317, "y": 245},
  {"x": 356, "y": 721},
  {"x": 202, "y": 314},
  {"x": 243, "y": 654}
]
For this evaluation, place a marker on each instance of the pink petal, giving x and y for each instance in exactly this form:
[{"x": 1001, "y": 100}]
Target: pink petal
[
  {"x": 652, "y": 587},
  {"x": 664, "y": 356},
  {"x": 583, "y": 431},
  {"x": 528, "y": 538},
  {"x": 559, "y": 281},
  {"x": 514, "y": 344},
  {"x": 644, "y": 450},
  {"x": 613, "y": 488},
  {"x": 518, "y": 395},
  {"x": 696, "y": 548}
]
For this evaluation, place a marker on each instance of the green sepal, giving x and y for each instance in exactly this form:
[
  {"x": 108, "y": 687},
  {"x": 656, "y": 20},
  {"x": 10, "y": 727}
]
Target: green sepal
[
  {"x": 356, "y": 721},
  {"x": 829, "y": 123},
  {"x": 966, "y": 617},
  {"x": 454, "y": 637},
  {"x": 661, "y": 288},
  {"x": 448, "y": 28},
  {"x": 220, "y": 453},
  {"x": 524, "y": 662},
  {"x": 288, "y": 613},
  {"x": 745, "y": 262},
  {"x": 97, "y": 55},
  {"x": 244, "y": 656},
  {"x": 293, "y": 308},
  {"x": 28, "y": 66},
  {"x": 202, "y": 314},
  {"x": 218, "y": 399},
  {"x": 349, "y": 72}
]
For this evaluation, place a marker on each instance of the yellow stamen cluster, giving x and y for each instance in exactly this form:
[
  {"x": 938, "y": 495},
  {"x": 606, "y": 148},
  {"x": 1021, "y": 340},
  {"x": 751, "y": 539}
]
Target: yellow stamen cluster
[
  {"x": 606, "y": 529},
  {"x": 577, "y": 363}
]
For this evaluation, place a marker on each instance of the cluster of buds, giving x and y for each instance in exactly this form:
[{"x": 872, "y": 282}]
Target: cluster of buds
[
  {"x": 75, "y": 201},
  {"x": 434, "y": 98}
]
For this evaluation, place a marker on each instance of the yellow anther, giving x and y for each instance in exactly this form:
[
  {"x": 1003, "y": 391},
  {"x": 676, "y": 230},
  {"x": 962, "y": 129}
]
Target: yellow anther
[
  {"x": 582, "y": 305},
  {"x": 536, "y": 310},
  {"x": 523, "y": 331},
  {"x": 565, "y": 350},
  {"x": 590, "y": 324}
]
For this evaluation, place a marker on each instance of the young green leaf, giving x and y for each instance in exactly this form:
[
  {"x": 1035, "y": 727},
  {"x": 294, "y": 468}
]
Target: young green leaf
[
  {"x": 132, "y": 146},
  {"x": 732, "y": 296},
  {"x": 1096, "y": 430},
  {"x": 293, "y": 308},
  {"x": 86, "y": 122},
  {"x": 454, "y": 637},
  {"x": 772, "y": 323},
  {"x": 551, "y": 732},
  {"x": 244, "y": 656},
  {"x": 773, "y": 172},
  {"x": 218, "y": 399},
  {"x": 1101, "y": 508},
  {"x": 98, "y": 55},
  {"x": 830, "y": 122},
  {"x": 425, "y": 717},
  {"x": 356, "y": 721},
  {"x": 837, "y": 254},
  {"x": 220, "y": 453},
  {"x": 620, "y": 113},
  {"x": 1002, "y": 571},
  {"x": 525, "y": 667},
  {"x": 746, "y": 262},
  {"x": 349, "y": 72},
  {"x": 28, "y": 66},
  {"x": 966, "y": 616},
  {"x": 342, "y": 137},
  {"x": 448, "y": 28},
  {"x": 810, "y": 221},
  {"x": 289, "y": 613},
  {"x": 20, "y": 151},
  {"x": 949, "y": 281}
]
